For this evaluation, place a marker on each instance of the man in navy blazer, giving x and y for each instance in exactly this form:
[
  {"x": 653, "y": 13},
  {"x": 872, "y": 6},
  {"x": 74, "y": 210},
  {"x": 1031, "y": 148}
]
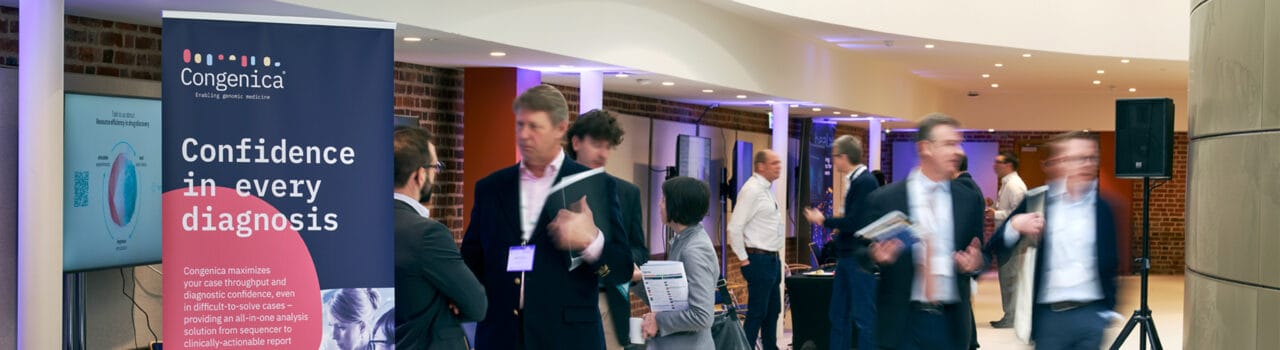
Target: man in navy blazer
[
  {"x": 853, "y": 293},
  {"x": 923, "y": 295},
  {"x": 542, "y": 265},
  {"x": 1077, "y": 258}
]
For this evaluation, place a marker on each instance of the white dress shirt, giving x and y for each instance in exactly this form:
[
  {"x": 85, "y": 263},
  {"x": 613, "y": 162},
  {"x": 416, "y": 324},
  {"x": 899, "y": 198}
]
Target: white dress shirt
[
  {"x": 422, "y": 211},
  {"x": 1012, "y": 190},
  {"x": 1071, "y": 233},
  {"x": 756, "y": 220},
  {"x": 533, "y": 196},
  {"x": 930, "y": 204}
]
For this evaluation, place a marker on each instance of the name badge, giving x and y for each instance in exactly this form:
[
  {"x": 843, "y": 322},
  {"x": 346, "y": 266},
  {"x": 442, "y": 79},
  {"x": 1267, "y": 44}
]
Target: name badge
[{"x": 520, "y": 258}]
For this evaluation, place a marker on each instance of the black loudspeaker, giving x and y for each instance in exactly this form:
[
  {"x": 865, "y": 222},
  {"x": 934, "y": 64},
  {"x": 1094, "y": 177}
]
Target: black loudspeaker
[{"x": 1144, "y": 138}]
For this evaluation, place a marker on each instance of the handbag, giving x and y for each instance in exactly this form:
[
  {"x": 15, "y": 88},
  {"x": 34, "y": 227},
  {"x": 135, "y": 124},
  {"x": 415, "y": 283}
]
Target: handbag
[{"x": 726, "y": 330}]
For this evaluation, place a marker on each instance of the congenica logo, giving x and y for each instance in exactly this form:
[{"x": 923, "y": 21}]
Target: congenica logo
[{"x": 210, "y": 70}]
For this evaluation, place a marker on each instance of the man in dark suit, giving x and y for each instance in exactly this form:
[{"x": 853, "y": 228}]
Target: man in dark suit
[
  {"x": 542, "y": 265},
  {"x": 853, "y": 293},
  {"x": 923, "y": 292},
  {"x": 1076, "y": 263},
  {"x": 963, "y": 177},
  {"x": 589, "y": 140},
  {"x": 434, "y": 289}
]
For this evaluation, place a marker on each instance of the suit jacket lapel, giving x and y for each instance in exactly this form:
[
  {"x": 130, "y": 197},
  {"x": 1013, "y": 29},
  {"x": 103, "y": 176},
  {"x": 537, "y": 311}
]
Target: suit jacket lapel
[
  {"x": 509, "y": 204},
  {"x": 958, "y": 235}
]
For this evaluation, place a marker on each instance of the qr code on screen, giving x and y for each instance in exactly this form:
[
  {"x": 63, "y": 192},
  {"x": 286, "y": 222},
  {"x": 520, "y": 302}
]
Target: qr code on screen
[{"x": 82, "y": 189}]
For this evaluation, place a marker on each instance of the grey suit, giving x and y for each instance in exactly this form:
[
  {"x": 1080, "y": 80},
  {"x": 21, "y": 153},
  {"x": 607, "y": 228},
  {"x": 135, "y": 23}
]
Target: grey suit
[{"x": 691, "y": 328}]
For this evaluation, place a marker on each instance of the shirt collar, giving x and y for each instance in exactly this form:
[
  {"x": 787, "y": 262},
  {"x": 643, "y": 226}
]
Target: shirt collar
[
  {"x": 928, "y": 184},
  {"x": 551, "y": 168},
  {"x": 1004, "y": 180},
  {"x": 1058, "y": 191},
  {"x": 423, "y": 211}
]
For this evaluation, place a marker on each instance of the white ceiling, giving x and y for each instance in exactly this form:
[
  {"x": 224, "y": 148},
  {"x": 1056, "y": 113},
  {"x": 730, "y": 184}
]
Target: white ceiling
[{"x": 952, "y": 66}]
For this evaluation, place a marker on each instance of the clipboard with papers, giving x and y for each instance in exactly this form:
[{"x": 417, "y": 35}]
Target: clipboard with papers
[{"x": 894, "y": 225}]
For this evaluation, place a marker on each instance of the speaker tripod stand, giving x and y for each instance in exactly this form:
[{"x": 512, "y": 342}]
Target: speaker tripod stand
[{"x": 1141, "y": 318}]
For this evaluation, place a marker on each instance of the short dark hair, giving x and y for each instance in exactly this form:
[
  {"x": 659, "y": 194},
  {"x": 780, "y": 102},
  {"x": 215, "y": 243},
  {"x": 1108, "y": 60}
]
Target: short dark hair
[
  {"x": 849, "y": 147},
  {"x": 1010, "y": 158},
  {"x": 879, "y": 177},
  {"x": 760, "y": 157},
  {"x": 924, "y": 129},
  {"x": 1057, "y": 140},
  {"x": 543, "y": 98},
  {"x": 597, "y": 124},
  {"x": 964, "y": 163},
  {"x": 687, "y": 200},
  {"x": 411, "y": 152}
]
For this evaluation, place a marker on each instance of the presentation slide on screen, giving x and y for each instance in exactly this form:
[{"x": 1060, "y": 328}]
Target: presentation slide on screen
[{"x": 111, "y": 210}]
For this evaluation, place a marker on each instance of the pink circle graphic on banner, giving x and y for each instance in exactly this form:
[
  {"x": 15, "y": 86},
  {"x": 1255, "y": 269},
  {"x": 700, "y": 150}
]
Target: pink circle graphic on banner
[
  {"x": 186, "y": 55},
  {"x": 262, "y": 280}
]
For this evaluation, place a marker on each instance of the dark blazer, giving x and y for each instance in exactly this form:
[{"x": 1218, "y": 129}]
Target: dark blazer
[
  {"x": 633, "y": 225},
  {"x": 429, "y": 275},
  {"x": 893, "y": 294},
  {"x": 1105, "y": 247},
  {"x": 854, "y": 203},
  {"x": 966, "y": 180},
  {"x": 561, "y": 308}
]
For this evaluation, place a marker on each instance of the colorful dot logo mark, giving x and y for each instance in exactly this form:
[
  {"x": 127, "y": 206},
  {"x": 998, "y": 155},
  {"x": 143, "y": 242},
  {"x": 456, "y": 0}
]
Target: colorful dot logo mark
[{"x": 208, "y": 58}]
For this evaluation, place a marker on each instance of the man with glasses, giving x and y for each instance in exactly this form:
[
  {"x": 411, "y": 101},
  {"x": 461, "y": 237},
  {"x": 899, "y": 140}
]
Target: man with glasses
[
  {"x": 1075, "y": 269},
  {"x": 1012, "y": 189},
  {"x": 435, "y": 291},
  {"x": 853, "y": 294},
  {"x": 923, "y": 292}
]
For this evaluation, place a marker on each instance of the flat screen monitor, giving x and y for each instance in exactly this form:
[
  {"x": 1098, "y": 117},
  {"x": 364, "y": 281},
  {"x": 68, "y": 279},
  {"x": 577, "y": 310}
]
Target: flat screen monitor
[
  {"x": 111, "y": 182},
  {"x": 693, "y": 156}
]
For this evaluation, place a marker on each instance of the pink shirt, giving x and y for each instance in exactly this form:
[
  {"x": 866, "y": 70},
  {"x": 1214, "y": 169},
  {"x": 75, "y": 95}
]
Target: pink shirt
[{"x": 533, "y": 196}]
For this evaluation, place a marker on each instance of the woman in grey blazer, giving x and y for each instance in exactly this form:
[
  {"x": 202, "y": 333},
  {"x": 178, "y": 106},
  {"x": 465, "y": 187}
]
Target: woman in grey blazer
[{"x": 684, "y": 203}]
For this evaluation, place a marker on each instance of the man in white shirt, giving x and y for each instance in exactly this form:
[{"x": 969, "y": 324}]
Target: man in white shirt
[
  {"x": 1011, "y": 191},
  {"x": 756, "y": 233},
  {"x": 1076, "y": 265},
  {"x": 923, "y": 298},
  {"x": 542, "y": 268}
]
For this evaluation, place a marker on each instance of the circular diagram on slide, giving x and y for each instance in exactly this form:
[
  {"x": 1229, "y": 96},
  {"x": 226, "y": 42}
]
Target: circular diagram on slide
[{"x": 121, "y": 195}]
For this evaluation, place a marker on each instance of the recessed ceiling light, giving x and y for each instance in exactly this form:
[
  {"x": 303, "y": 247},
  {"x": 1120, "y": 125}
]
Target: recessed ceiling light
[
  {"x": 497, "y": 54},
  {"x": 1026, "y": 55},
  {"x": 1097, "y": 82},
  {"x": 816, "y": 109},
  {"x": 928, "y": 46},
  {"x": 995, "y": 85},
  {"x": 795, "y": 106},
  {"x": 742, "y": 96},
  {"x": 1133, "y": 89},
  {"x": 888, "y": 131},
  {"x": 986, "y": 76},
  {"x": 836, "y": 112},
  {"x": 668, "y": 83},
  {"x": 768, "y": 102},
  {"x": 999, "y": 64},
  {"x": 708, "y": 91},
  {"x": 991, "y": 130},
  {"x": 1124, "y": 60},
  {"x": 855, "y": 115},
  {"x": 1102, "y": 71},
  {"x": 412, "y": 39},
  {"x": 1086, "y": 130},
  {"x": 621, "y": 75}
]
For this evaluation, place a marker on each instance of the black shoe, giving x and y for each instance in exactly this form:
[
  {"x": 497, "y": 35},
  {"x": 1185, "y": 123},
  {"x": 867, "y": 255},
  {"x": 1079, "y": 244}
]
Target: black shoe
[{"x": 1004, "y": 323}]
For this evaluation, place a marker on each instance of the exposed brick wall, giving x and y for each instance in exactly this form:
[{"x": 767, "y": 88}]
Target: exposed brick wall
[
  {"x": 94, "y": 46},
  {"x": 434, "y": 96},
  {"x": 1168, "y": 215}
]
